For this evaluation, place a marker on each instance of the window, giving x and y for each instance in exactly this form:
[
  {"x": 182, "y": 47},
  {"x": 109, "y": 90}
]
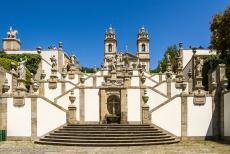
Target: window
[
  {"x": 110, "y": 47},
  {"x": 143, "y": 47}
]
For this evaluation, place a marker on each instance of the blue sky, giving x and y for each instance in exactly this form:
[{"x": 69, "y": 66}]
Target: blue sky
[{"x": 81, "y": 24}]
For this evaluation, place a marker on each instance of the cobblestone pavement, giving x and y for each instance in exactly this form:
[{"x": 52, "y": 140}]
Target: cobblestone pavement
[{"x": 189, "y": 147}]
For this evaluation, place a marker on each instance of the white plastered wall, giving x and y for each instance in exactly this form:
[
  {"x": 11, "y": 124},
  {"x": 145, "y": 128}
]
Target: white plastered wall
[
  {"x": 162, "y": 88},
  {"x": 168, "y": 117},
  {"x": 49, "y": 117},
  {"x": 155, "y": 99},
  {"x": 155, "y": 78},
  {"x": 89, "y": 82},
  {"x": 227, "y": 114},
  {"x": 19, "y": 118},
  {"x": 9, "y": 78},
  {"x": 99, "y": 81},
  {"x": 52, "y": 93},
  {"x": 149, "y": 82},
  {"x": 134, "y": 105},
  {"x": 199, "y": 118},
  {"x": 91, "y": 105},
  {"x": 134, "y": 81}
]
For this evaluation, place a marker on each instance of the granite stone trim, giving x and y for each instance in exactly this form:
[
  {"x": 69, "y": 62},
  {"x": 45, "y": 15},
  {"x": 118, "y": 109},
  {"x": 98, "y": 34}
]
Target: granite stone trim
[
  {"x": 19, "y": 138},
  {"x": 184, "y": 115},
  {"x": 33, "y": 117},
  {"x": 82, "y": 104},
  {"x": 3, "y": 113}
]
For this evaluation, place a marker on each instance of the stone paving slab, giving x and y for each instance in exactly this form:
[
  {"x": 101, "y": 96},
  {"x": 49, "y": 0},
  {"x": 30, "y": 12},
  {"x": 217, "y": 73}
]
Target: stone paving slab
[{"x": 188, "y": 147}]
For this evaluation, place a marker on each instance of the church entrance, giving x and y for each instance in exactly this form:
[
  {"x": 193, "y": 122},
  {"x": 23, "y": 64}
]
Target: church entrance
[{"x": 114, "y": 109}]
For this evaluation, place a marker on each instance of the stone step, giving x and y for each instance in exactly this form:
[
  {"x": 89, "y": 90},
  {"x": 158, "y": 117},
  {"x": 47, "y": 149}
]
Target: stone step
[
  {"x": 106, "y": 141},
  {"x": 107, "y": 131},
  {"x": 107, "y": 137},
  {"x": 107, "y": 144},
  {"x": 109, "y": 125}
]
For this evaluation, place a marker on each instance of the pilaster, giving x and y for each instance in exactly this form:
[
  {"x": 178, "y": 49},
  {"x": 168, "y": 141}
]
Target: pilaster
[
  {"x": 3, "y": 113},
  {"x": 184, "y": 115},
  {"x": 82, "y": 104},
  {"x": 33, "y": 117},
  {"x": 124, "y": 106}
]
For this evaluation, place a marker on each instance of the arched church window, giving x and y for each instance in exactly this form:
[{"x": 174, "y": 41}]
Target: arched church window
[
  {"x": 110, "y": 47},
  {"x": 143, "y": 47}
]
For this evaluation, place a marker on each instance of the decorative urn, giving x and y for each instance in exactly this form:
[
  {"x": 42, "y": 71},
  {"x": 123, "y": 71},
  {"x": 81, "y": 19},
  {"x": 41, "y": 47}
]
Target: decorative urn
[
  {"x": 145, "y": 98},
  {"x": 35, "y": 86},
  {"x": 72, "y": 98},
  {"x": 82, "y": 80}
]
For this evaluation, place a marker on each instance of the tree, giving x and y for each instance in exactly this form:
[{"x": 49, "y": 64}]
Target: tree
[
  {"x": 220, "y": 28},
  {"x": 172, "y": 51}
]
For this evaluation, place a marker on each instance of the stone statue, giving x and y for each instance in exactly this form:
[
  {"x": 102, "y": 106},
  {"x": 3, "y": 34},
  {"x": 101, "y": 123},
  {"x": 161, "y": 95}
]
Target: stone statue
[
  {"x": 168, "y": 57},
  {"x": 12, "y": 33},
  {"x": 21, "y": 69},
  {"x": 199, "y": 66},
  {"x": 72, "y": 59},
  {"x": 113, "y": 63},
  {"x": 53, "y": 61}
]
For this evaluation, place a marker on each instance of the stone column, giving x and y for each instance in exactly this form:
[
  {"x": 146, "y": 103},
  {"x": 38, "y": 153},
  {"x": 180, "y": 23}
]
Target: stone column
[
  {"x": 94, "y": 81},
  {"x": 71, "y": 115},
  {"x": 169, "y": 82},
  {"x": 3, "y": 113},
  {"x": 184, "y": 116},
  {"x": 145, "y": 109},
  {"x": 124, "y": 106},
  {"x": 82, "y": 104},
  {"x": 33, "y": 117},
  {"x": 103, "y": 107},
  {"x": 42, "y": 88}
]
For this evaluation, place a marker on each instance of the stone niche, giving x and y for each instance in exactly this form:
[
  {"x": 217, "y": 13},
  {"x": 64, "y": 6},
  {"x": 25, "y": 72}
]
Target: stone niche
[{"x": 113, "y": 108}]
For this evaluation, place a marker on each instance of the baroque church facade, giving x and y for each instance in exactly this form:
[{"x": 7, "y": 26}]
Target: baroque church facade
[{"x": 122, "y": 103}]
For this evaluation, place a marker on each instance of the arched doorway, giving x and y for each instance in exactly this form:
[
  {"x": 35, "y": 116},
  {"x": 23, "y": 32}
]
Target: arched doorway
[{"x": 114, "y": 109}]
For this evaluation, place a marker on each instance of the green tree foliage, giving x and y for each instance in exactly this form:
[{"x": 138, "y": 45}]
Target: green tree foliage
[
  {"x": 32, "y": 63},
  {"x": 6, "y": 64},
  {"x": 172, "y": 51},
  {"x": 220, "y": 40}
]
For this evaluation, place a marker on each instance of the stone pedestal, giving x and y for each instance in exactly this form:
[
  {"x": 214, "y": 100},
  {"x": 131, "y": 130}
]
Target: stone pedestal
[
  {"x": 53, "y": 79},
  {"x": 19, "y": 95},
  {"x": 71, "y": 119},
  {"x": 145, "y": 114}
]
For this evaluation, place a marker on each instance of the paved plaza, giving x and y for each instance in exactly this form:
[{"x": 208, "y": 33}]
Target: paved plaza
[{"x": 189, "y": 147}]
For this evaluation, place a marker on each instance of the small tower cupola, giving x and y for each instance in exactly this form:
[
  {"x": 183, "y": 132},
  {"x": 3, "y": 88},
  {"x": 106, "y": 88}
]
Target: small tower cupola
[{"x": 110, "y": 43}]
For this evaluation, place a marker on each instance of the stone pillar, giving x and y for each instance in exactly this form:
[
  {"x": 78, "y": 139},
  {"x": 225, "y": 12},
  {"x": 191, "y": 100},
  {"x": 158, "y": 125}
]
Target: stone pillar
[
  {"x": 103, "y": 107},
  {"x": 20, "y": 93},
  {"x": 82, "y": 104},
  {"x": 145, "y": 109},
  {"x": 42, "y": 88},
  {"x": 71, "y": 115},
  {"x": 160, "y": 77},
  {"x": 33, "y": 118},
  {"x": 3, "y": 113},
  {"x": 169, "y": 82},
  {"x": 94, "y": 81},
  {"x": 190, "y": 82},
  {"x": 124, "y": 106},
  {"x": 184, "y": 116}
]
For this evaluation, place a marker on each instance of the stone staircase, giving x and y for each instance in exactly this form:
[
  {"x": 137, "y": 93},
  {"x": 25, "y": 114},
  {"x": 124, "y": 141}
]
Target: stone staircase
[{"x": 107, "y": 135}]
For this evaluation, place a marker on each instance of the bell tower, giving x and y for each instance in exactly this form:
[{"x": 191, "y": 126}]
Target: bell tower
[
  {"x": 110, "y": 43},
  {"x": 143, "y": 48}
]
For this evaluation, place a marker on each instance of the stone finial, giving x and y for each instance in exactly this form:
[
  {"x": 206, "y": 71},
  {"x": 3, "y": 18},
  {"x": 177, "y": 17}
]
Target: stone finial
[
  {"x": 94, "y": 69},
  {"x": 143, "y": 78},
  {"x": 145, "y": 98},
  {"x": 168, "y": 67},
  {"x": 224, "y": 83},
  {"x": 194, "y": 50},
  {"x": 43, "y": 75},
  {"x": 35, "y": 86},
  {"x": 72, "y": 98},
  {"x": 5, "y": 86},
  {"x": 82, "y": 80},
  {"x": 60, "y": 45},
  {"x": 181, "y": 45},
  {"x": 39, "y": 50},
  {"x": 64, "y": 73}
]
